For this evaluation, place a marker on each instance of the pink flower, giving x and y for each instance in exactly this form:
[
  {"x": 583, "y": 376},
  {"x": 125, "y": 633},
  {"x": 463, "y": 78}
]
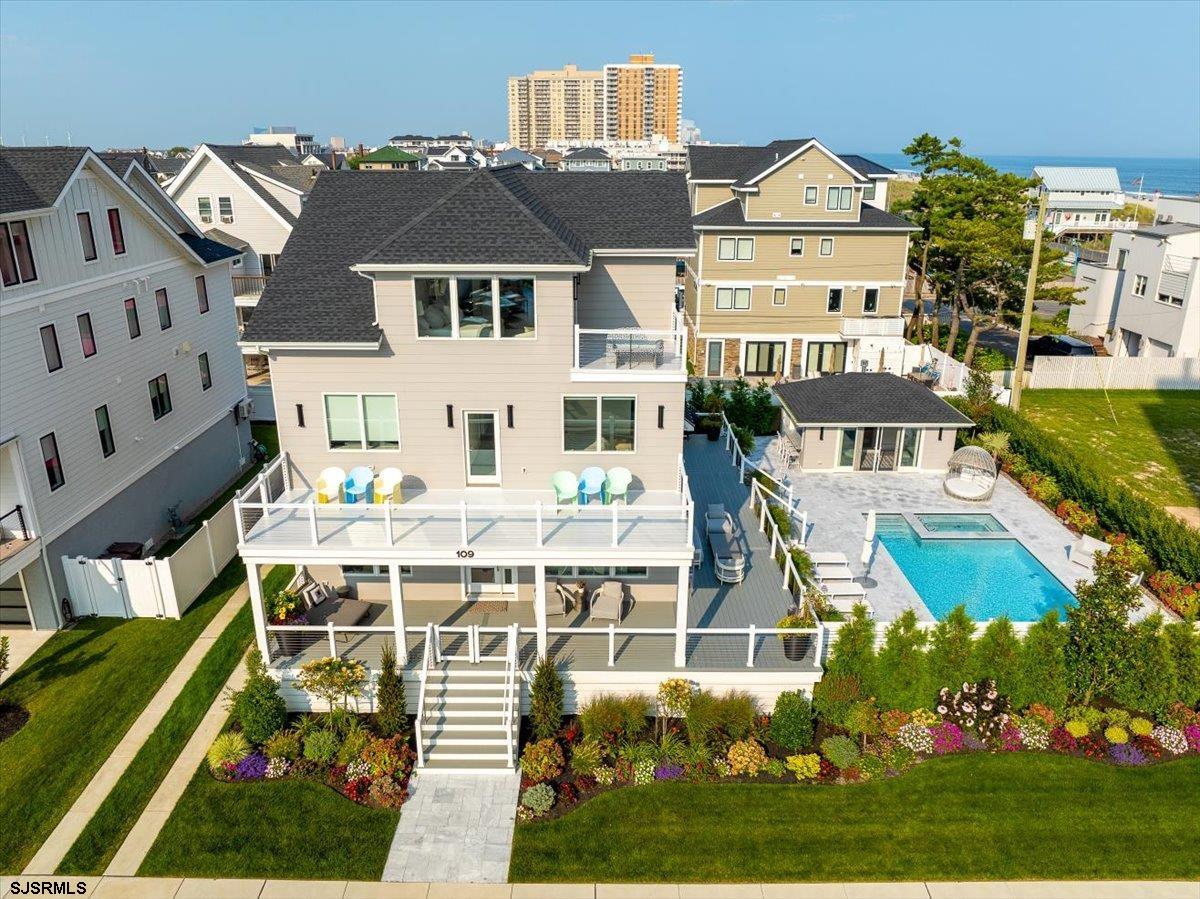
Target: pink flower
[{"x": 1192, "y": 732}]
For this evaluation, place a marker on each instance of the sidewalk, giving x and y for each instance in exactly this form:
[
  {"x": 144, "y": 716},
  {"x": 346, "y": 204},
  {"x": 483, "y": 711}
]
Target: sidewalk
[
  {"x": 52, "y": 852},
  {"x": 147, "y": 828},
  {"x": 188, "y": 888},
  {"x": 21, "y": 645}
]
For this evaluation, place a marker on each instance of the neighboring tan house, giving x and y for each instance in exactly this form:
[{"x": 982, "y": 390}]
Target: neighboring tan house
[
  {"x": 389, "y": 159},
  {"x": 586, "y": 159},
  {"x": 249, "y": 197},
  {"x": 121, "y": 388},
  {"x": 1144, "y": 300},
  {"x": 798, "y": 271},
  {"x": 1081, "y": 202}
]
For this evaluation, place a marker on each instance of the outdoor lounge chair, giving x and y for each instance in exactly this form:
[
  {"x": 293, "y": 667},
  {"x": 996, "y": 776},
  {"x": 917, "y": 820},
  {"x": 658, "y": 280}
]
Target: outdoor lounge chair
[
  {"x": 728, "y": 561},
  {"x": 568, "y": 596},
  {"x": 387, "y": 486},
  {"x": 566, "y": 488},
  {"x": 829, "y": 558},
  {"x": 830, "y": 572},
  {"x": 607, "y": 601},
  {"x": 1083, "y": 550},
  {"x": 329, "y": 485},
  {"x": 844, "y": 588},
  {"x": 358, "y": 485},
  {"x": 591, "y": 483},
  {"x": 617, "y": 484}
]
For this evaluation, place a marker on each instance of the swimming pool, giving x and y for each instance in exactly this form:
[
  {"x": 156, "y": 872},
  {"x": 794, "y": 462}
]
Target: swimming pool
[
  {"x": 991, "y": 577},
  {"x": 961, "y": 523}
]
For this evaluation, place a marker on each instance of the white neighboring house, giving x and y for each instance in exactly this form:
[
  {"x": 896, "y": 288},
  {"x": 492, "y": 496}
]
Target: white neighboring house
[
  {"x": 1169, "y": 208},
  {"x": 450, "y": 157},
  {"x": 121, "y": 385},
  {"x": 1081, "y": 201},
  {"x": 284, "y": 135},
  {"x": 1144, "y": 300},
  {"x": 250, "y": 198}
]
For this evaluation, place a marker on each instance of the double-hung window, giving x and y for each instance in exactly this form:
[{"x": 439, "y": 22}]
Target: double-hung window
[
  {"x": 87, "y": 339},
  {"x": 834, "y": 301},
  {"x": 225, "y": 207},
  {"x": 160, "y": 396},
  {"x": 116, "y": 232},
  {"x": 605, "y": 424},
  {"x": 164, "y": 308},
  {"x": 475, "y": 308},
  {"x": 839, "y": 198},
  {"x": 826, "y": 246},
  {"x": 205, "y": 371},
  {"x": 737, "y": 298},
  {"x": 811, "y": 192},
  {"x": 54, "y": 470},
  {"x": 87, "y": 239},
  {"x": 202, "y": 293},
  {"x": 871, "y": 300},
  {"x": 362, "y": 421},
  {"x": 779, "y": 296},
  {"x": 50, "y": 348},
  {"x": 16, "y": 255},
  {"x": 796, "y": 247},
  {"x": 131, "y": 319},
  {"x": 108, "y": 445},
  {"x": 740, "y": 249},
  {"x": 204, "y": 208}
]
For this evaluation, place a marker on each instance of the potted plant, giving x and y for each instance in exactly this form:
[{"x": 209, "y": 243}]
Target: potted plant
[{"x": 793, "y": 644}]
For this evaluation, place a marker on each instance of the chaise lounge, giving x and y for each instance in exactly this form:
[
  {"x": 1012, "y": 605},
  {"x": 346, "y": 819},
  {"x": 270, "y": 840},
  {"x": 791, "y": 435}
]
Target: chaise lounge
[{"x": 728, "y": 561}]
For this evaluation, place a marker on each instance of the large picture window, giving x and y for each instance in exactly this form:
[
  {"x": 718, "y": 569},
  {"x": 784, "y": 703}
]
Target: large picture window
[
  {"x": 362, "y": 421},
  {"x": 764, "y": 358},
  {"x": 599, "y": 424},
  {"x": 475, "y": 308}
]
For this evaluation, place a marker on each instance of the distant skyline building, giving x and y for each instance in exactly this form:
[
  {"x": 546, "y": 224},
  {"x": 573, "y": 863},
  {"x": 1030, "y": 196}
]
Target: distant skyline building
[{"x": 636, "y": 100}]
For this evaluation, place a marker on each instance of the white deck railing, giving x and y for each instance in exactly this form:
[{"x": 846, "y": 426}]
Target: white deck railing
[
  {"x": 872, "y": 327},
  {"x": 632, "y": 351},
  {"x": 741, "y": 463}
]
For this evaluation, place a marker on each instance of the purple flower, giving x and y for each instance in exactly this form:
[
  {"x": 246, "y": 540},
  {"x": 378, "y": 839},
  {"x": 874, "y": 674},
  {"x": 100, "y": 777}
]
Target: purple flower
[
  {"x": 252, "y": 767},
  {"x": 1192, "y": 732},
  {"x": 668, "y": 772},
  {"x": 1126, "y": 754},
  {"x": 947, "y": 738}
]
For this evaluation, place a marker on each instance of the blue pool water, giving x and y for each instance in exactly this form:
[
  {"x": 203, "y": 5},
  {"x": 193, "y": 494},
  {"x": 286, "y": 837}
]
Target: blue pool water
[
  {"x": 961, "y": 523},
  {"x": 991, "y": 577}
]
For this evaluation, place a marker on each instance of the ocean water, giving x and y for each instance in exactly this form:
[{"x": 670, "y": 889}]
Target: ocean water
[{"x": 1166, "y": 174}]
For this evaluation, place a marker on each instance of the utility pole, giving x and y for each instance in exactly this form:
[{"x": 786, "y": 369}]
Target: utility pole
[{"x": 1030, "y": 290}]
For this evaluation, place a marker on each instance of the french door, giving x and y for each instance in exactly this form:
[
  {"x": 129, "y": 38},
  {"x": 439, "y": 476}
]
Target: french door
[
  {"x": 492, "y": 581},
  {"x": 481, "y": 438},
  {"x": 879, "y": 449}
]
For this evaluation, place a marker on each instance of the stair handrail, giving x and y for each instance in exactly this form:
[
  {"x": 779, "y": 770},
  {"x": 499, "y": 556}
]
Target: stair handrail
[
  {"x": 510, "y": 682},
  {"x": 426, "y": 664}
]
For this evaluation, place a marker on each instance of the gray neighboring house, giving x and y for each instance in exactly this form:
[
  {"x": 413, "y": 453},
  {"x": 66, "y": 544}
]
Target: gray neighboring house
[
  {"x": 517, "y": 156},
  {"x": 121, "y": 385},
  {"x": 586, "y": 159}
]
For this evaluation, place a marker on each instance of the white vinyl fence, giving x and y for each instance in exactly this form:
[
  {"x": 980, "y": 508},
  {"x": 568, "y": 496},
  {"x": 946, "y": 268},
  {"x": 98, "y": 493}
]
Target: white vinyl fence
[
  {"x": 153, "y": 588},
  {"x": 264, "y": 402},
  {"x": 1115, "y": 373},
  {"x": 951, "y": 374}
]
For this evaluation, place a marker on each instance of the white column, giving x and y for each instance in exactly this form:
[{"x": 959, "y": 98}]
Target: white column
[
  {"x": 681, "y": 616},
  {"x": 398, "y": 616},
  {"x": 539, "y": 607},
  {"x": 254, "y": 582}
]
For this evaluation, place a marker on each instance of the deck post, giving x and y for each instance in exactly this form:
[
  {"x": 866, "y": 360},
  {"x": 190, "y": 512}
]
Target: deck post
[
  {"x": 397, "y": 588},
  {"x": 612, "y": 644},
  {"x": 312, "y": 523},
  {"x": 681, "y": 614},
  {"x": 750, "y": 649},
  {"x": 820, "y": 642},
  {"x": 262, "y": 495},
  {"x": 332, "y": 640},
  {"x": 387, "y": 524},
  {"x": 615, "y": 528},
  {"x": 237, "y": 516},
  {"x": 539, "y": 607},
  {"x": 254, "y": 583},
  {"x": 462, "y": 519},
  {"x": 537, "y": 510}
]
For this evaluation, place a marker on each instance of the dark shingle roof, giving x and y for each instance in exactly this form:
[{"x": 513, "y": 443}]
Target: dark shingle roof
[
  {"x": 505, "y": 215},
  {"x": 729, "y": 215},
  {"x": 207, "y": 249},
  {"x": 33, "y": 177},
  {"x": 587, "y": 153},
  {"x": 300, "y": 177},
  {"x": 226, "y": 238},
  {"x": 866, "y": 398},
  {"x": 740, "y": 164},
  {"x": 233, "y": 155}
]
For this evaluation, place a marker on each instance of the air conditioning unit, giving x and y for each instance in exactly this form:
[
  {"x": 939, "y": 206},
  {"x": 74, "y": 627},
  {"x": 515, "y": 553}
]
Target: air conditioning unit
[{"x": 244, "y": 409}]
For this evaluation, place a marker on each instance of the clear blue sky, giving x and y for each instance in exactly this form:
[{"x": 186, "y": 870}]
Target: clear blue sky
[{"x": 1012, "y": 77}]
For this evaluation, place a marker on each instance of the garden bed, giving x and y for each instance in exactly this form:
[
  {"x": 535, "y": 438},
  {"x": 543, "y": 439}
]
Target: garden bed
[{"x": 13, "y": 717}]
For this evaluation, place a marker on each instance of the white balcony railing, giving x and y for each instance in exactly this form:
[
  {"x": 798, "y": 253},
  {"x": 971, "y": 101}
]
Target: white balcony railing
[
  {"x": 630, "y": 352},
  {"x": 872, "y": 327}
]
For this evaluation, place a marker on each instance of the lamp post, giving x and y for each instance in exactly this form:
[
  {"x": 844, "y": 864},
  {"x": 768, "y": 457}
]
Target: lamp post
[{"x": 1030, "y": 291}]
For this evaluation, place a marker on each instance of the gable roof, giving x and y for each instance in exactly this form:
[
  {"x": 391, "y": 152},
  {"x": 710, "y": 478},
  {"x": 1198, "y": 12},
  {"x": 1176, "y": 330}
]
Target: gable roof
[
  {"x": 729, "y": 215},
  {"x": 507, "y": 217},
  {"x": 587, "y": 153},
  {"x": 866, "y": 398},
  {"x": 33, "y": 178},
  {"x": 1060, "y": 177},
  {"x": 248, "y": 163},
  {"x": 740, "y": 165},
  {"x": 299, "y": 178}
]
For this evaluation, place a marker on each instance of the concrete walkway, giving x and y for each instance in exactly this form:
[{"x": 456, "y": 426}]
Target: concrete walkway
[
  {"x": 154, "y": 817},
  {"x": 457, "y": 826},
  {"x": 22, "y": 643},
  {"x": 52, "y": 852},
  {"x": 191, "y": 888}
]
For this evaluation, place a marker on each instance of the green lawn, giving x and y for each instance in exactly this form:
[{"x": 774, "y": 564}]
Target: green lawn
[
  {"x": 293, "y": 829},
  {"x": 1153, "y": 447},
  {"x": 84, "y": 688},
  {"x": 118, "y": 813},
  {"x": 970, "y": 817}
]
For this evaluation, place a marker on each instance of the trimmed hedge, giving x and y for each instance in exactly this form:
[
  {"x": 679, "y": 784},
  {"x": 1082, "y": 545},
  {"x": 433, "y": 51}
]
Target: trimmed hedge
[{"x": 1171, "y": 543}]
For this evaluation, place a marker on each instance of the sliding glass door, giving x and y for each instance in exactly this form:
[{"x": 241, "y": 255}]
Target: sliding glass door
[{"x": 878, "y": 450}]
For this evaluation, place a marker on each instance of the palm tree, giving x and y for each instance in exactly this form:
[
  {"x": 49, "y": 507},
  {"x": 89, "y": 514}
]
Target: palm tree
[{"x": 995, "y": 442}]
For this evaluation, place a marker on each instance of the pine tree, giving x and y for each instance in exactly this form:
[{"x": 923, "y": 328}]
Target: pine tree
[
  {"x": 1185, "y": 651},
  {"x": 900, "y": 666},
  {"x": 1042, "y": 669},
  {"x": 853, "y": 652},
  {"x": 545, "y": 699},
  {"x": 1147, "y": 680},
  {"x": 998, "y": 655},
  {"x": 950, "y": 651},
  {"x": 391, "y": 713}
]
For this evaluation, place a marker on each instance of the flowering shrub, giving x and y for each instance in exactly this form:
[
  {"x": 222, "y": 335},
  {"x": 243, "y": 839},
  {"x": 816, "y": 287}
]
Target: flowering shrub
[
  {"x": 746, "y": 757},
  {"x": 915, "y": 738},
  {"x": 1042, "y": 488},
  {"x": 277, "y": 768},
  {"x": 542, "y": 760},
  {"x": 976, "y": 707},
  {"x": 1078, "y": 728},
  {"x": 252, "y": 767},
  {"x": 643, "y": 772},
  {"x": 1062, "y": 740},
  {"x": 1177, "y": 593},
  {"x": 1093, "y": 746},
  {"x": 1171, "y": 739},
  {"x": 1116, "y": 734},
  {"x": 1047, "y": 715},
  {"x": 283, "y": 745},
  {"x": 1180, "y": 716},
  {"x": 1192, "y": 733},
  {"x": 805, "y": 767},
  {"x": 357, "y": 769},
  {"x": 841, "y": 751},
  {"x": 1147, "y": 746},
  {"x": 538, "y": 799},
  {"x": 387, "y": 792},
  {"x": 1125, "y": 754},
  {"x": 668, "y": 772},
  {"x": 947, "y": 737},
  {"x": 872, "y": 766},
  {"x": 675, "y": 697},
  {"x": 1077, "y": 518},
  {"x": 924, "y": 717},
  {"x": 357, "y": 789},
  {"x": 892, "y": 720},
  {"x": 722, "y": 767},
  {"x": 1010, "y": 738},
  {"x": 1128, "y": 553},
  {"x": 1034, "y": 732},
  {"x": 605, "y": 775},
  {"x": 388, "y": 756},
  {"x": 1142, "y": 727}
]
